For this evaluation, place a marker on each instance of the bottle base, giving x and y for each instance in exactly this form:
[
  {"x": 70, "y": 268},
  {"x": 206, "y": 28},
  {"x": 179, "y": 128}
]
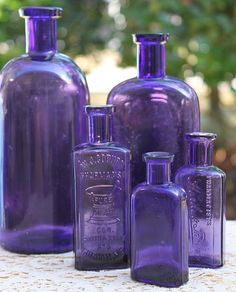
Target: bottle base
[
  {"x": 160, "y": 275},
  {"x": 82, "y": 264},
  {"x": 43, "y": 239},
  {"x": 204, "y": 262},
  {"x": 100, "y": 268}
]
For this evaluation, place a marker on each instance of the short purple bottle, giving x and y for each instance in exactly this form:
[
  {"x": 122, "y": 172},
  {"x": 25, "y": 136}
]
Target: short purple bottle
[
  {"x": 153, "y": 111},
  {"x": 102, "y": 196},
  {"x": 205, "y": 188},
  {"x": 159, "y": 226},
  {"x": 43, "y": 93}
]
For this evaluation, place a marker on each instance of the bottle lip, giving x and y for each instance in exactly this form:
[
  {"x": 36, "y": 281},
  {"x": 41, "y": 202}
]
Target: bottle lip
[
  {"x": 154, "y": 38},
  {"x": 158, "y": 156},
  {"x": 107, "y": 109},
  {"x": 40, "y": 12},
  {"x": 200, "y": 136}
]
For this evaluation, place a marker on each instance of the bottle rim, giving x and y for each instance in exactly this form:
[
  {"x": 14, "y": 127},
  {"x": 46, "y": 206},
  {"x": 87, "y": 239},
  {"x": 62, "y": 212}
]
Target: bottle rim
[
  {"x": 99, "y": 109},
  {"x": 200, "y": 136},
  {"x": 153, "y": 38},
  {"x": 158, "y": 156},
  {"x": 40, "y": 12}
]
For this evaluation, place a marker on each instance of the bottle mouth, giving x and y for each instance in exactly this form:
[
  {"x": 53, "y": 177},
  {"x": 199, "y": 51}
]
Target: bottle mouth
[
  {"x": 200, "y": 136},
  {"x": 40, "y": 12},
  {"x": 99, "y": 109},
  {"x": 152, "y": 38},
  {"x": 158, "y": 156}
]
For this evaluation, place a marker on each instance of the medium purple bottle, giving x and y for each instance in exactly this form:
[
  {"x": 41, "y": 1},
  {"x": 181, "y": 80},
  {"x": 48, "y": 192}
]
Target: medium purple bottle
[
  {"x": 102, "y": 179},
  {"x": 205, "y": 188},
  {"x": 159, "y": 226},
  {"x": 43, "y": 94},
  {"x": 153, "y": 111}
]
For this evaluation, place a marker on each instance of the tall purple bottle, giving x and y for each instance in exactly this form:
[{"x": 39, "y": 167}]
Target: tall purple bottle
[
  {"x": 43, "y": 94},
  {"x": 159, "y": 226},
  {"x": 205, "y": 188},
  {"x": 102, "y": 185},
  {"x": 153, "y": 111}
]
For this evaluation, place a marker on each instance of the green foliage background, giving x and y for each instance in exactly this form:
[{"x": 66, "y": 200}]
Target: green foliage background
[{"x": 88, "y": 27}]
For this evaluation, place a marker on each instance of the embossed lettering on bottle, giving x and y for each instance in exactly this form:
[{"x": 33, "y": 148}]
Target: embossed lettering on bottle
[
  {"x": 200, "y": 212},
  {"x": 103, "y": 177},
  {"x": 208, "y": 200}
]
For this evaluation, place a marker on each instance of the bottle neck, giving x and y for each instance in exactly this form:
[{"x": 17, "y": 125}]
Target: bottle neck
[
  {"x": 41, "y": 36},
  {"x": 158, "y": 173},
  {"x": 151, "y": 60},
  {"x": 201, "y": 153},
  {"x": 100, "y": 128}
]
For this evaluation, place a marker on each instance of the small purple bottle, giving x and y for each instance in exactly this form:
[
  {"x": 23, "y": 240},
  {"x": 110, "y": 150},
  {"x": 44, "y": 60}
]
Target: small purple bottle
[
  {"x": 42, "y": 95},
  {"x": 102, "y": 179},
  {"x": 153, "y": 110},
  {"x": 159, "y": 226},
  {"x": 205, "y": 188}
]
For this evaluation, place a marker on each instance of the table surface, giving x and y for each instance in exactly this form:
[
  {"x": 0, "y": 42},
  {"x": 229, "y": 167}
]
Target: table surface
[{"x": 57, "y": 273}]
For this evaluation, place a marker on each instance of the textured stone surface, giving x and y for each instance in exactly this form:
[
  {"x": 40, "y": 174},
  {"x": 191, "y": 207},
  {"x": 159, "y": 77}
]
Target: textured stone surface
[{"x": 57, "y": 273}]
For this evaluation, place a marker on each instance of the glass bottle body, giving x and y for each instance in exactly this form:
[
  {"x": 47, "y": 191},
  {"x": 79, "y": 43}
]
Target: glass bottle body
[
  {"x": 102, "y": 206},
  {"x": 205, "y": 188},
  {"x": 43, "y": 94},
  {"x": 153, "y": 115},
  {"x": 159, "y": 238},
  {"x": 153, "y": 111},
  {"x": 159, "y": 233}
]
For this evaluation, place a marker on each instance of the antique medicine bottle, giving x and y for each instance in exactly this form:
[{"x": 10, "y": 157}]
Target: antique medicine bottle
[
  {"x": 153, "y": 111},
  {"x": 42, "y": 97},
  {"x": 205, "y": 188},
  {"x": 159, "y": 226},
  {"x": 101, "y": 173}
]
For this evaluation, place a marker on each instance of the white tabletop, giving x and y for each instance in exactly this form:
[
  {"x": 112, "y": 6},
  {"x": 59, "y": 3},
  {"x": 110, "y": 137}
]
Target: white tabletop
[{"x": 57, "y": 273}]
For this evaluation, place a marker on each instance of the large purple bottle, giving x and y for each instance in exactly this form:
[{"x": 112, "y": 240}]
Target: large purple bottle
[
  {"x": 153, "y": 111},
  {"x": 159, "y": 226},
  {"x": 102, "y": 179},
  {"x": 205, "y": 188},
  {"x": 43, "y": 94}
]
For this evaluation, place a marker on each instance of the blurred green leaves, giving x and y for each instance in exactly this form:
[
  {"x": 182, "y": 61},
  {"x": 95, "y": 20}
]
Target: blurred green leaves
[
  {"x": 85, "y": 26},
  {"x": 210, "y": 24},
  {"x": 203, "y": 38}
]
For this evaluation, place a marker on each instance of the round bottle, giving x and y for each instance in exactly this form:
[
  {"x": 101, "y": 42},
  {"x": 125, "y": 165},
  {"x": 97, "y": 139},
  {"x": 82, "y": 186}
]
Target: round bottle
[
  {"x": 153, "y": 111},
  {"x": 43, "y": 93}
]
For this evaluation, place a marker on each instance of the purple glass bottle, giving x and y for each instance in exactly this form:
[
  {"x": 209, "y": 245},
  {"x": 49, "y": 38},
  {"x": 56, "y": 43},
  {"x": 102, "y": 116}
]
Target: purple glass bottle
[
  {"x": 159, "y": 226},
  {"x": 43, "y": 94},
  {"x": 101, "y": 172},
  {"x": 153, "y": 111},
  {"x": 205, "y": 188}
]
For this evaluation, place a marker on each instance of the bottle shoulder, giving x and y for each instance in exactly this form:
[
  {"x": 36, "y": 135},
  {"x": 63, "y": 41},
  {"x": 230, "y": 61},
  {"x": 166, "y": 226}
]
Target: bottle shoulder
[
  {"x": 59, "y": 57},
  {"x": 59, "y": 64},
  {"x": 171, "y": 189},
  {"x": 106, "y": 147},
  {"x": 190, "y": 170},
  {"x": 168, "y": 85}
]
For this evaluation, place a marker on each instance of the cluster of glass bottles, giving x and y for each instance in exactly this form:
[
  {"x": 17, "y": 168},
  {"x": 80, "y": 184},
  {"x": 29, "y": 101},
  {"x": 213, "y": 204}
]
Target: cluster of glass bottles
[{"x": 173, "y": 225}]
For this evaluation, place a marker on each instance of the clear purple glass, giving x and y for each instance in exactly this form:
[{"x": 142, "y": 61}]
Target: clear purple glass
[
  {"x": 102, "y": 179},
  {"x": 159, "y": 226},
  {"x": 205, "y": 188},
  {"x": 43, "y": 94},
  {"x": 153, "y": 111}
]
